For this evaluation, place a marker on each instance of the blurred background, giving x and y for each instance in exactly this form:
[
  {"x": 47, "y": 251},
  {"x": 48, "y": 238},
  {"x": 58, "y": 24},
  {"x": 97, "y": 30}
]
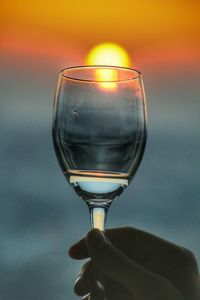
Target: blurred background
[{"x": 40, "y": 214}]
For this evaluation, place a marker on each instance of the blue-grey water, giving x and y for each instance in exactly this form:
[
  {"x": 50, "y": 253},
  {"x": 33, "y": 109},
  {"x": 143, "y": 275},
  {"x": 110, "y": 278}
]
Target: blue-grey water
[{"x": 41, "y": 216}]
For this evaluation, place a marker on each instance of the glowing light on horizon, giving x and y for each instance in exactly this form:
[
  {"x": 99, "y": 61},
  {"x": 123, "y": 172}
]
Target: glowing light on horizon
[{"x": 109, "y": 54}]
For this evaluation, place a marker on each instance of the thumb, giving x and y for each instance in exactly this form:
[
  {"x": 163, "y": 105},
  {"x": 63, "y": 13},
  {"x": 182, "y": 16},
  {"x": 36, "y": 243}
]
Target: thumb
[
  {"x": 109, "y": 259},
  {"x": 116, "y": 265}
]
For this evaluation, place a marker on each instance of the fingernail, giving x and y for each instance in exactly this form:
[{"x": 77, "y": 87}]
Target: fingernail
[
  {"x": 86, "y": 297},
  {"x": 99, "y": 291},
  {"x": 99, "y": 285},
  {"x": 77, "y": 286},
  {"x": 77, "y": 279}
]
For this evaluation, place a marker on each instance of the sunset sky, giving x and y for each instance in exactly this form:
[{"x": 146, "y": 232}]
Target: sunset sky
[{"x": 151, "y": 31}]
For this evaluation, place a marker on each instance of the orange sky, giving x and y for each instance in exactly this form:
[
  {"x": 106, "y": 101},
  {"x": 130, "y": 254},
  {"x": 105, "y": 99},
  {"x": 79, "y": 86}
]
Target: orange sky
[{"x": 166, "y": 30}]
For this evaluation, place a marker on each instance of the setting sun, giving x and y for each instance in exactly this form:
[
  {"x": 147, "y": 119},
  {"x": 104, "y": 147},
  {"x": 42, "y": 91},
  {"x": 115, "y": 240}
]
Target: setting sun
[{"x": 108, "y": 54}]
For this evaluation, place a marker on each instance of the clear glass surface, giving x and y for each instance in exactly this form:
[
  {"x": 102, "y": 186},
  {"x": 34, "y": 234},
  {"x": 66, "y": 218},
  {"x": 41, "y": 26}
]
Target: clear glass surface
[{"x": 99, "y": 132}]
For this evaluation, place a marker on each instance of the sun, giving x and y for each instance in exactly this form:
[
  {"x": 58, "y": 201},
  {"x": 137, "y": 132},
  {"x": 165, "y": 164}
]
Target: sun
[{"x": 108, "y": 54}]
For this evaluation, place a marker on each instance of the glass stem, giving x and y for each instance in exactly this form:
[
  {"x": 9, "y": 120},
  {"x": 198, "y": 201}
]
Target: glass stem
[{"x": 98, "y": 213}]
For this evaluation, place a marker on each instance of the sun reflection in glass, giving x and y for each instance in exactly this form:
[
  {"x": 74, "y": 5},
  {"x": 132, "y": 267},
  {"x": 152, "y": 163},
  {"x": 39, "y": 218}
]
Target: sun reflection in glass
[{"x": 109, "y": 54}]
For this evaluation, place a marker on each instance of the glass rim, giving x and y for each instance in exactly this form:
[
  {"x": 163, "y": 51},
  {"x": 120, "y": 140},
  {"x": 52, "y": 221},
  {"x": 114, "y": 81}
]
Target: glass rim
[{"x": 110, "y": 67}]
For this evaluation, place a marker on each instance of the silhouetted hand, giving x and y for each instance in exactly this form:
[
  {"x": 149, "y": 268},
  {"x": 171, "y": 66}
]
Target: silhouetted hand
[{"x": 135, "y": 265}]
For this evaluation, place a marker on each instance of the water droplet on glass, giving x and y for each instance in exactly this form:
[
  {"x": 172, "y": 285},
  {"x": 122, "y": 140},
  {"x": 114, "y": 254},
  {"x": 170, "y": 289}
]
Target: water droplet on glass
[{"x": 76, "y": 114}]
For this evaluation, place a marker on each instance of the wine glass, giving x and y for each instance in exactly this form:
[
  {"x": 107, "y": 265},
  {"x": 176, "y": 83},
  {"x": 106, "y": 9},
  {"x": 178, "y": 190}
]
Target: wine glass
[{"x": 99, "y": 132}]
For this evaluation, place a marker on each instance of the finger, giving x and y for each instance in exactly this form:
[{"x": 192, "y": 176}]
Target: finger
[
  {"x": 115, "y": 290},
  {"x": 79, "y": 250},
  {"x": 86, "y": 297},
  {"x": 135, "y": 243},
  {"x": 88, "y": 278},
  {"x": 118, "y": 236},
  {"x": 97, "y": 291},
  {"x": 114, "y": 264},
  {"x": 89, "y": 282},
  {"x": 95, "y": 295},
  {"x": 85, "y": 280}
]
